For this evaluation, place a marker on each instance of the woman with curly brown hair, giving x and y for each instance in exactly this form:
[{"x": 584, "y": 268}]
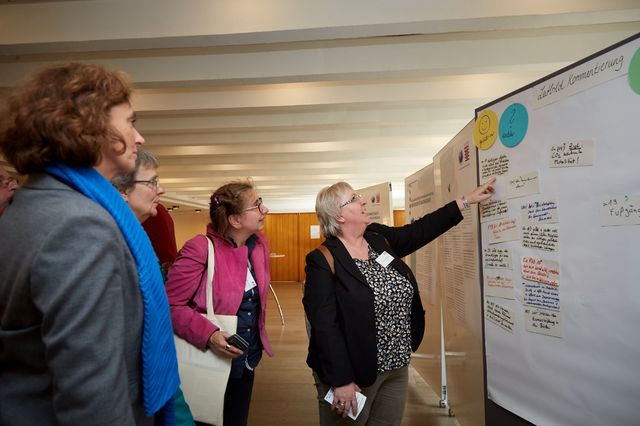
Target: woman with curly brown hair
[
  {"x": 78, "y": 277},
  {"x": 240, "y": 287}
]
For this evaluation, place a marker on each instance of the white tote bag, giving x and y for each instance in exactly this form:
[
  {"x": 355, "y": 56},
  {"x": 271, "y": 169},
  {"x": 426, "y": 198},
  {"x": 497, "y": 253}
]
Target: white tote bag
[{"x": 204, "y": 374}]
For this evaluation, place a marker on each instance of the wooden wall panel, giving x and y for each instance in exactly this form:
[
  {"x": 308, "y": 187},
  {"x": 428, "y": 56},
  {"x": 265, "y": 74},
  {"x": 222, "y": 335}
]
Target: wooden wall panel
[
  {"x": 288, "y": 235},
  {"x": 281, "y": 230},
  {"x": 398, "y": 218},
  {"x": 305, "y": 243},
  {"x": 189, "y": 224}
]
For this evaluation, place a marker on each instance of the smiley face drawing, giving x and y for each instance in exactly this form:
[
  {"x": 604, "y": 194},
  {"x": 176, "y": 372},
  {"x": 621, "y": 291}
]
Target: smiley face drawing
[
  {"x": 483, "y": 126},
  {"x": 485, "y": 129}
]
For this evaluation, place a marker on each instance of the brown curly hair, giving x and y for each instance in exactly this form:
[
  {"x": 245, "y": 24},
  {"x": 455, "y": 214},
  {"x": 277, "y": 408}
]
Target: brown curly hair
[
  {"x": 60, "y": 114},
  {"x": 226, "y": 201}
]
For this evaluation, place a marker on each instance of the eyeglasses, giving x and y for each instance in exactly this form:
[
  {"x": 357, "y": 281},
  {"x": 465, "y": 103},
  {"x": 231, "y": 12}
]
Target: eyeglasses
[
  {"x": 6, "y": 181},
  {"x": 353, "y": 199},
  {"x": 151, "y": 183},
  {"x": 258, "y": 205}
]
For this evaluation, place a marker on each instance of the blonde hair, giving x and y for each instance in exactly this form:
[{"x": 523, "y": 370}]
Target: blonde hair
[{"x": 328, "y": 208}]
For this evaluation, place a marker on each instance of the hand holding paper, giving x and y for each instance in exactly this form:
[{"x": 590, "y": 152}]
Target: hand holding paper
[{"x": 360, "y": 400}]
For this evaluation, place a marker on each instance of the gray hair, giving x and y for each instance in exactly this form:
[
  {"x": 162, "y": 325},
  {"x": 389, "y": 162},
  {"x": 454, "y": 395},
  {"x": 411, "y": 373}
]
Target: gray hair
[
  {"x": 328, "y": 208},
  {"x": 125, "y": 182}
]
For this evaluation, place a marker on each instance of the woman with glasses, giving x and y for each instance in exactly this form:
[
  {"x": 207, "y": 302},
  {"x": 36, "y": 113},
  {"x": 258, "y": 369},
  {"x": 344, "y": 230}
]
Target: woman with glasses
[
  {"x": 141, "y": 188},
  {"x": 363, "y": 305},
  {"x": 240, "y": 287},
  {"x": 85, "y": 332}
]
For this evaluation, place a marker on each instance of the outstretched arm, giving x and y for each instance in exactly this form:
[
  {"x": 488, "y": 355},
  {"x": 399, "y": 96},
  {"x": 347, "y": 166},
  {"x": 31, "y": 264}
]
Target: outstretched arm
[{"x": 478, "y": 195}]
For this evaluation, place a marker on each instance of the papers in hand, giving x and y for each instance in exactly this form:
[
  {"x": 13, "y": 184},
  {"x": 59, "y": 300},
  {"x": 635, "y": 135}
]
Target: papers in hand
[{"x": 360, "y": 400}]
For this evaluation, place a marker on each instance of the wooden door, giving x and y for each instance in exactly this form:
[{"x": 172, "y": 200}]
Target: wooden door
[
  {"x": 281, "y": 229},
  {"x": 306, "y": 243},
  {"x": 398, "y": 218}
]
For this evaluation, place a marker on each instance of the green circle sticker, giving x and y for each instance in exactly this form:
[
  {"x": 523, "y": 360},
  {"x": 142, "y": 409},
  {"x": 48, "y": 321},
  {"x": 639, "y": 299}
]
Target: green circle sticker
[{"x": 634, "y": 72}]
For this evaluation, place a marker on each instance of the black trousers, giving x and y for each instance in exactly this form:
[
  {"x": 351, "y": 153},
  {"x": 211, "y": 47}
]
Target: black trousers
[{"x": 237, "y": 399}]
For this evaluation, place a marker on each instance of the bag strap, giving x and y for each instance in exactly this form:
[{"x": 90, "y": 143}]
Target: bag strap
[
  {"x": 327, "y": 255},
  {"x": 210, "y": 268},
  {"x": 383, "y": 237}
]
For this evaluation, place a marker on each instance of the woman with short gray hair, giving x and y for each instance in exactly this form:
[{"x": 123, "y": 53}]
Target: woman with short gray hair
[
  {"x": 328, "y": 208},
  {"x": 125, "y": 182},
  {"x": 363, "y": 305},
  {"x": 141, "y": 188}
]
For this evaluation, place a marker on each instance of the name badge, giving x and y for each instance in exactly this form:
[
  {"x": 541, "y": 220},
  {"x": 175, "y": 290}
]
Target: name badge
[
  {"x": 251, "y": 283},
  {"x": 384, "y": 259}
]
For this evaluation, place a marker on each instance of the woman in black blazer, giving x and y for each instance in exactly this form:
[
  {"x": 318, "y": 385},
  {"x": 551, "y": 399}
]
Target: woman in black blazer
[{"x": 363, "y": 305}]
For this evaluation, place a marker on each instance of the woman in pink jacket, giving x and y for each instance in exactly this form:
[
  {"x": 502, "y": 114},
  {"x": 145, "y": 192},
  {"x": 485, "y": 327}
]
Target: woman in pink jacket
[{"x": 240, "y": 287}]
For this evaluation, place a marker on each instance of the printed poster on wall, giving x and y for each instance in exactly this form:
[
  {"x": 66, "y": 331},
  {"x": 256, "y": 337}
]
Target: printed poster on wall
[
  {"x": 419, "y": 200},
  {"x": 379, "y": 203}
]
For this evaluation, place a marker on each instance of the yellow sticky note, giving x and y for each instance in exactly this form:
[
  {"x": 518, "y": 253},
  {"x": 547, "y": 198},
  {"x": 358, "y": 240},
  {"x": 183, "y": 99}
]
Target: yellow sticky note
[{"x": 485, "y": 130}]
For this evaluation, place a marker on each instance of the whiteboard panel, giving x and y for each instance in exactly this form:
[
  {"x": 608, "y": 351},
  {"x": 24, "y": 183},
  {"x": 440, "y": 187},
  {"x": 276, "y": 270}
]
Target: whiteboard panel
[{"x": 565, "y": 349}]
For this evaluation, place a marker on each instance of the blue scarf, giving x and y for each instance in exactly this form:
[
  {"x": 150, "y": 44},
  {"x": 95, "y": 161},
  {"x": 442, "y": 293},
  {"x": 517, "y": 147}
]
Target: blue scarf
[{"x": 159, "y": 365}]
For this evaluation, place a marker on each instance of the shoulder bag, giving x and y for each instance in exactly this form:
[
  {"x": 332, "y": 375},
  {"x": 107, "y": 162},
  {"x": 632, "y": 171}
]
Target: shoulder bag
[{"x": 204, "y": 374}]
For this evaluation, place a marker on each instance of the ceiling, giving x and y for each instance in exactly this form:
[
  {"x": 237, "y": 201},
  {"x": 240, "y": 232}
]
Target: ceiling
[{"x": 298, "y": 94}]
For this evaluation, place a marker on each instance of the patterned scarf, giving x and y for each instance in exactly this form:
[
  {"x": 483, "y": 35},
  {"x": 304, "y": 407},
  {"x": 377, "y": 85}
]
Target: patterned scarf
[{"x": 159, "y": 365}]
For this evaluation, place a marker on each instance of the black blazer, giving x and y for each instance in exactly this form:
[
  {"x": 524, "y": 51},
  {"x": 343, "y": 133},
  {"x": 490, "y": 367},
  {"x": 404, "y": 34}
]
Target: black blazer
[{"x": 342, "y": 340}]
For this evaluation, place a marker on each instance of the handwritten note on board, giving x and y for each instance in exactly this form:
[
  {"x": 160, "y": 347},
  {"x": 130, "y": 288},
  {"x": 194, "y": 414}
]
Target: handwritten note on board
[
  {"x": 523, "y": 185},
  {"x": 494, "y": 166},
  {"x": 541, "y": 270},
  {"x": 499, "y": 315},
  {"x": 543, "y": 321},
  {"x": 620, "y": 210},
  {"x": 497, "y": 258},
  {"x": 534, "y": 212},
  {"x": 542, "y": 295},
  {"x": 540, "y": 237},
  {"x": 493, "y": 209},
  {"x": 498, "y": 286},
  {"x": 571, "y": 154},
  {"x": 583, "y": 77},
  {"x": 502, "y": 230}
]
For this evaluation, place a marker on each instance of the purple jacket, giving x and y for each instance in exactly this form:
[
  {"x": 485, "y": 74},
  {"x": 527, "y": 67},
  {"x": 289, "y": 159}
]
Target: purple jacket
[{"x": 187, "y": 278}]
